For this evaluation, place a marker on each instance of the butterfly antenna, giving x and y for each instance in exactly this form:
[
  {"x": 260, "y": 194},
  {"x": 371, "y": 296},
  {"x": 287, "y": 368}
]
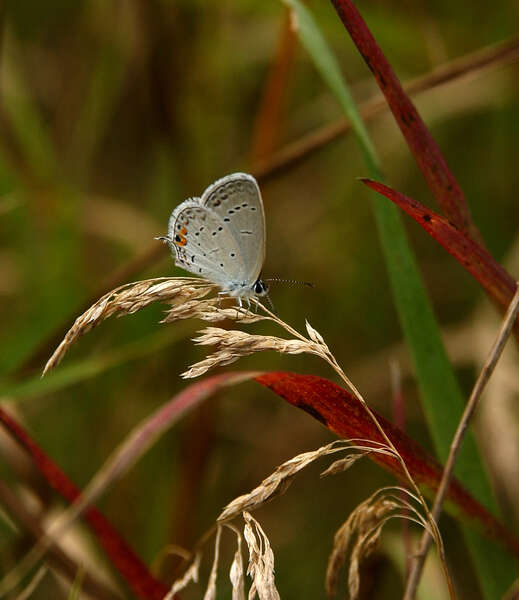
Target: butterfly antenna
[{"x": 279, "y": 280}]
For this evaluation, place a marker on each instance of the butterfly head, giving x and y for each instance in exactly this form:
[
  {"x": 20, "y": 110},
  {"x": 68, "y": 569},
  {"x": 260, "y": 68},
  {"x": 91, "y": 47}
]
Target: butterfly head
[{"x": 260, "y": 288}]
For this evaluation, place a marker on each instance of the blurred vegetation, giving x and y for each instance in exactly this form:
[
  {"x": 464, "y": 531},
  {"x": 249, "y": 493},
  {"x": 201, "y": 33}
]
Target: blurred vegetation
[{"x": 114, "y": 112}]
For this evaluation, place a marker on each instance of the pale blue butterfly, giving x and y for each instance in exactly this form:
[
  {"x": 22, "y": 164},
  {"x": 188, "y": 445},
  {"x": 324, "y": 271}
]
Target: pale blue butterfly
[{"x": 221, "y": 236}]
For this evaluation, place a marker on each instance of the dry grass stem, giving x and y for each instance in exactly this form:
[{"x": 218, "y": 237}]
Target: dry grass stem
[
  {"x": 232, "y": 345},
  {"x": 486, "y": 372},
  {"x": 279, "y": 481},
  {"x": 261, "y": 561},
  {"x": 210, "y": 592},
  {"x": 361, "y": 532},
  {"x": 128, "y": 299},
  {"x": 191, "y": 575}
]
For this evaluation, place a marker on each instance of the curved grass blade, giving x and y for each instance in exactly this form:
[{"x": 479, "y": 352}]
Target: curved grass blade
[
  {"x": 440, "y": 179},
  {"x": 339, "y": 411},
  {"x": 474, "y": 258},
  {"x": 439, "y": 390},
  {"x": 129, "y": 451}
]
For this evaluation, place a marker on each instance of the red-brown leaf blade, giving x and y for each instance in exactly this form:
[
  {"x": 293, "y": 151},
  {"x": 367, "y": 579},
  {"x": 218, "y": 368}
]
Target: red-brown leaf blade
[
  {"x": 430, "y": 160},
  {"x": 119, "y": 552},
  {"x": 343, "y": 414},
  {"x": 474, "y": 258}
]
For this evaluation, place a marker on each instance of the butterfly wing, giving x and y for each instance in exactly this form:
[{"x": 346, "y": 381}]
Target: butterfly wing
[
  {"x": 236, "y": 199},
  {"x": 203, "y": 244}
]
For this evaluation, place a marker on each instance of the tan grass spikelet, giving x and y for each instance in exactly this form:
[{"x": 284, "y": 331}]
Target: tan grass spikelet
[
  {"x": 128, "y": 299},
  {"x": 233, "y": 344},
  {"x": 361, "y": 531},
  {"x": 279, "y": 481},
  {"x": 191, "y": 575},
  {"x": 210, "y": 592},
  {"x": 209, "y": 310},
  {"x": 343, "y": 464},
  {"x": 261, "y": 561},
  {"x": 237, "y": 572}
]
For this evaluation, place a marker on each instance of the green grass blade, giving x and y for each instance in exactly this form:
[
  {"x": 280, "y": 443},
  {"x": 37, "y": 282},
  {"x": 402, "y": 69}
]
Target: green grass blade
[
  {"x": 87, "y": 368},
  {"x": 440, "y": 393}
]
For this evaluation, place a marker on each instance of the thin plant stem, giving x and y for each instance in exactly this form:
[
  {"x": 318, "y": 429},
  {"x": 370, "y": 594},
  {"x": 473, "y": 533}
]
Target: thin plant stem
[
  {"x": 330, "y": 359},
  {"x": 485, "y": 374}
]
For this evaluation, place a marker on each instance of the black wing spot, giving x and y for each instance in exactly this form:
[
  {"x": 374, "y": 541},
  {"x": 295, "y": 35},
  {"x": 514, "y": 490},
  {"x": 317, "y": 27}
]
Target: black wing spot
[
  {"x": 246, "y": 232},
  {"x": 197, "y": 233},
  {"x": 226, "y": 219},
  {"x": 230, "y": 211},
  {"x": 220, "y": 228},
  {"x": 221, "y": 264},
  {"x": 244, "y": 205},
  {"x": 237, "y": 207},
  {"x": 233, "y": 255},
  {"x": 214, "y": 232},
  {"x": 199, "y": 270},
  {"x": 253, "y": 208}
]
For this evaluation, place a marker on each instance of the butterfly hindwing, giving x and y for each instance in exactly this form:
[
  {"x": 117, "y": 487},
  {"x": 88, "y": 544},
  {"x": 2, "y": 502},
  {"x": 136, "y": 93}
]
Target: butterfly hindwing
[{"x": 237, "y": 200}]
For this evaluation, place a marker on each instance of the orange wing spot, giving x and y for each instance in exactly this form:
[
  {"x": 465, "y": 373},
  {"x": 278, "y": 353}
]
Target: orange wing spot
[
  {"x": 180, "y": 240},
  {"x": 183, "y": 231}
]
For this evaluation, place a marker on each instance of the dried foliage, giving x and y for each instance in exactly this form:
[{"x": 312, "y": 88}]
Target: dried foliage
[
  {"x": 128, "y": 299},
  {"x": 261, "y": 561},
  {"x": 278, "y": 482},
  {"x": 361, "y": 531},
  {"x": 191, "y": 574},
  {"x": 237, "y": 573},
  {"x": 210, "y": 310},
  {"x": 232, "y": 345},
  {"x": 210, "y": 592},
  {"x": 187, "y": 297}
]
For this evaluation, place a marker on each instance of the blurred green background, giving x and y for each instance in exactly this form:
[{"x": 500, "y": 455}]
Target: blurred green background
[{"x": 112, "y": 113}]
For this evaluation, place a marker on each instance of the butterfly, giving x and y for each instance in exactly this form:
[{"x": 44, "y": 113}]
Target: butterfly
[{"x": 221, "y": 236}]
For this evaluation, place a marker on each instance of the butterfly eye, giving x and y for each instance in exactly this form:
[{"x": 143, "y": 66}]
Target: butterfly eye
[{"x": 260, "y": 287}]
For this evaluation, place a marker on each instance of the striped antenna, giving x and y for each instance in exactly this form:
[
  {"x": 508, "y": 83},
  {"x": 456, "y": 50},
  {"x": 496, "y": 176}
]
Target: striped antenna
[{"x": 279, "y": 280}]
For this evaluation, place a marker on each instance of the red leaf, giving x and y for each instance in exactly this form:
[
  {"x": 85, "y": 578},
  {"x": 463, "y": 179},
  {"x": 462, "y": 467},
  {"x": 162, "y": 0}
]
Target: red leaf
[
  {"x": 473, "y": 257},
  {"x": 343, "y": 414},
  {"x": 439, "y": 178},
  {"x": 120, "y": 553},
  {"x": 122, "y": 556}
]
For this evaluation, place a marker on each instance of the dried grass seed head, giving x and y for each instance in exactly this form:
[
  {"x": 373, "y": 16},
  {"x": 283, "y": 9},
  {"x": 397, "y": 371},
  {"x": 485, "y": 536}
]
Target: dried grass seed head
[
  {"x": 128, "y": 299},
  {"x": 233, "y": 344}
]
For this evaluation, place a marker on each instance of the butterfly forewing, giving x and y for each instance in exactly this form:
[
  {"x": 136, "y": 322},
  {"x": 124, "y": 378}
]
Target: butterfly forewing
[
  {"x": 202, "y": 244},
  {"x": 236, "y": 199}
]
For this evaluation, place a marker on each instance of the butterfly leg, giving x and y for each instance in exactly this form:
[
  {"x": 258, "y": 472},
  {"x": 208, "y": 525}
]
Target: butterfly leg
[{"x": 240, "y": 304}]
